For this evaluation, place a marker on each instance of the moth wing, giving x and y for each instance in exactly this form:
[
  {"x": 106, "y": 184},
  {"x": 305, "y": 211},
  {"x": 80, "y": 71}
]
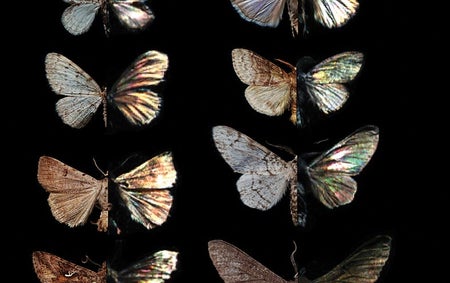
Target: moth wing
[
  {"x": 261, "y": 12},
  {"x": 331, "y": 173},
  {"x": 334, "y": 13},
  {"x": 132, "y": 93},
  {"x": 50, "y": 268},
  {"x": 72, "y": 193},
  {"x": 134, "y": 14},
  {"x": 363, "y": 266},
  {"x": 234, "y": 265},
  {"x": 83, "y": 95},
  {"x": 79, "y": 16},
  {"x": 144, "y": 190},
  {"x": 155, "y": 268},
  {"x": 325, "y": 81}
]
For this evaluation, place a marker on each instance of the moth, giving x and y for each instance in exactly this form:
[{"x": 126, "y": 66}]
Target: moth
[
  {"x": 266, "y": 177},
  {"x": 133, "y": 14},
  {"x": 329, "y": 13},
  {"x": 273, "y": 91},
  {"x": 364, "y": 265},
  {"x": 132, "y": 93},
  {"x": 157, "y": 268},
  {"x": 144, "y": 191}
]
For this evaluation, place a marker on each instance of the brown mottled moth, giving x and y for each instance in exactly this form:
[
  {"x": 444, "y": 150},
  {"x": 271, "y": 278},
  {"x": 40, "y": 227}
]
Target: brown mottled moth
[
  {"x": 144, "y": 191},
  {"x": 154, "y": 268},
  {"x": 364, "y": 265},
  {"x": 272, "y": 91},
  {"x": 266, "y": 177}
]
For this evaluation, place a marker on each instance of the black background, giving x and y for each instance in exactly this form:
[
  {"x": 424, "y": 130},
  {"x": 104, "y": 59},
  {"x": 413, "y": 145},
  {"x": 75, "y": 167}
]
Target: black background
[{"x": 398, "y": 89}]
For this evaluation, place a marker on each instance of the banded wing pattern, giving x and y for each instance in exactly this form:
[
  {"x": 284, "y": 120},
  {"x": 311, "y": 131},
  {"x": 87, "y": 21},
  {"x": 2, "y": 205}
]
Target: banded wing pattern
[{"x": 334, "y": 13}]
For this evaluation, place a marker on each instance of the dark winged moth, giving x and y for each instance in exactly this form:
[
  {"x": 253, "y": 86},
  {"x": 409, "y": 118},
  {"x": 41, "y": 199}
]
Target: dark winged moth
[
  {"x": 132, "y": 93},
  {"x": 133, "y": 14},
  {"x": 157, "y": 268},
  {"x": 144, "y": 191},
  {"x": 364, "y": 265},
  {"x": 266, "y": 177},
  {"x": 272, "y": 91},
  {"x": 329, "y": 13}
]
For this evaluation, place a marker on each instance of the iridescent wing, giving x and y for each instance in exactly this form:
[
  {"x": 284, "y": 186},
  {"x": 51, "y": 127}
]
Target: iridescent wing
[
  {"x": 133, "y": 94},
  {"x": 134, "y": 14},
  {"x": 269, "y": 88},
  {"x": 234, "y": 265},
  {"x": 83, "y": 95},
  {"x": 331, "y": 173},
  {"x": 50, "y": 268},
  {"x": 72, "y": 193},
  {"x": 79, "y": 16},
  {"x": 153, "y": 269},
  {"x": 363, "y": 266},
  {"x": 325, "y": 82},
  {"x": 265, "y": 175},
  {"x": 261, "y": 12},
  {"x": 144, "y": 190},
  {"x": 334, "y": 13}
]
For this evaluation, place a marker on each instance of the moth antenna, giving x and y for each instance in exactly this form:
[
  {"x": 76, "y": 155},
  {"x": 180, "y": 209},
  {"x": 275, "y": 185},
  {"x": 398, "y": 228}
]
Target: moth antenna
[
  {"x": 286, "y": 63},
  {"x": 283, "y": 147},
  {"x": 293, "y": 261},
  {"x": 98, "y": 168},
  {"x": 88, "y": 259}
]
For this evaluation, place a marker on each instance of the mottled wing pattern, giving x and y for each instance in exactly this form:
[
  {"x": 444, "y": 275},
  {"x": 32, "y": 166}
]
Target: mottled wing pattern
[
  {"x": 83, "y": 95},
  {"x": 265, "y": 175},
  {"x": 325, "y": 81},
  {"x": 144, "y": 190},
  {"x": 79, "y": 16},
  {"x": 50, "y": 268},
  {"x": 334, "y": 13},
  {"x": 234, "y": 265},
  {"x": 133, "y": 94},
  {"x": 72, "y": 193},
  {"x": 363, "y": 266},
  {"x": 269, "y": 86},
  {"x": 153, "y": 269},
  {"x": 292, "y": 6},
  {"x": 261, "y": 12},
  {"x": 134, "y": 14},
  {"x": 331, "y": 173}
]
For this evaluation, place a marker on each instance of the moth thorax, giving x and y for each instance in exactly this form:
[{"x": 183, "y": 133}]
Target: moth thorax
[
  {"x": 103, "y": 195},
  {"x": 302, "y": 174},
  {"x": 105, "y": 15},
  {"x": 105, "y": 104}
]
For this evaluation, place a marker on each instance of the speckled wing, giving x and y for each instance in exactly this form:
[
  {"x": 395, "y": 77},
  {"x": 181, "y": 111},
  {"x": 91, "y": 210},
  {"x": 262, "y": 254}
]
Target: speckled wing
[
  {"x": 83, "y": 95},
  {"x": 50, "y": 268},
  {"x": 363, "y": 266},
  {"x": 234, "y": 265},
  {"x": 331, "y": 173},
  {"x": 133, "y": 14},
  {"x": 269, "y": 86},
  {"x": 325, "y": 82},
  {"x": 72, "y": 193},
  {"x": 79, "y": 16},
  {"x": 334, "y": 13},
  {"x": 133, "y": 94},
  {"x": 265, "y": 175},
  {"x": 145, "y": 190},
  {"x": 261, "y": 12}
]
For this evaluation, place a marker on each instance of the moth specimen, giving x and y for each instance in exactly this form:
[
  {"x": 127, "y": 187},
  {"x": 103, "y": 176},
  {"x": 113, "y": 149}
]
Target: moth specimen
[
  {"x": 132, "y": 93},
  {"x": 144, "y": 191},
  {"x": 329, "y": 13},
  {"x": 156, "y": 268},
  {"x": 79, "y": 16},
  {"x": 272, "y": 90},
  {"x": 266, "y": 177},
  {"x": 364, "y": 265}
]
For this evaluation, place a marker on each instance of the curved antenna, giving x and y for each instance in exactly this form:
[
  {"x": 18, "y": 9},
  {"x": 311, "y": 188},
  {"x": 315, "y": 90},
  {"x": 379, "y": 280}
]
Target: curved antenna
[
  {"x": 88, "y": 259},
  {"x": 283, "y": 147},
  {"x": 98, "y": 168},
  {"x": 294, "y": 264}
]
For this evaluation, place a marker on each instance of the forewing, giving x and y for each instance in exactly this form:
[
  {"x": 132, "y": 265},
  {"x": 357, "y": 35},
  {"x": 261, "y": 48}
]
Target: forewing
[
  {"x": 331, "y": 172},
  {"x": 79, "y": 16},
  {"x": 144, "y": 190},
  {"x": 334, "y": 13},
  {"x": 134, "y": 14},
  {"x": 261, "y": 12},
  {"x": 153, "y": 269},
  {"x": 83, "y": 95},
  {"x": 72, "y": 193},
  {"x": 50, "y": 268},
  {"x": 363, "y": 266},
  {"x": 234, "y": 265},
  {"x": 133, "y": 94}
]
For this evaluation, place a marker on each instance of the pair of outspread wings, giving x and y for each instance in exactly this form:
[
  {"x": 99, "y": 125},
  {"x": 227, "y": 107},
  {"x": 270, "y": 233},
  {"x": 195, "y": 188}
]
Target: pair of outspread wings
[
  {"x": 364, "y": 265},
  {"x": 132, "y": 93}
]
